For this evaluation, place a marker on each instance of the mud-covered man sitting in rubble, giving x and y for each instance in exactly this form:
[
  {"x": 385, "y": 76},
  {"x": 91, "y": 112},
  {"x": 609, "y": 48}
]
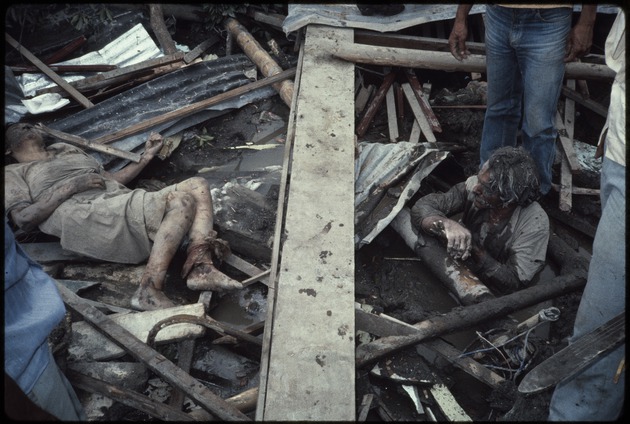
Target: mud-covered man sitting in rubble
[
  {"x": 66, "y": 193},
  {"x": 503, "y": 232}
]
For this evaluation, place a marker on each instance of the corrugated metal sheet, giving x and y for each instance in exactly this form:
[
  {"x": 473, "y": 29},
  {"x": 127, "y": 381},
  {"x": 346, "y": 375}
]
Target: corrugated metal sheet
[
  {"x": 134, "y": 46},
  {"x": 164, "y": 94},
  {"x": 381, "y": 167},
  {"x": 348, "y": 15}
]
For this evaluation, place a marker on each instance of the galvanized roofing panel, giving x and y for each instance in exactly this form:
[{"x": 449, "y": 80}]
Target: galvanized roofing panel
[
  {"x": 134, "y": 46},
  {"x": 348, "y": 15},
  {"x": 167, "y": 93}
]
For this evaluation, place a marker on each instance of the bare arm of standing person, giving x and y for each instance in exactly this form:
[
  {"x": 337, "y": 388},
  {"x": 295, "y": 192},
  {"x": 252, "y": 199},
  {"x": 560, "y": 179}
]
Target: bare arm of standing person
[
  {"x": 459, "y": 33},
  {"x": 128, "y": 173},
  {"x": 581, "y": 35}
]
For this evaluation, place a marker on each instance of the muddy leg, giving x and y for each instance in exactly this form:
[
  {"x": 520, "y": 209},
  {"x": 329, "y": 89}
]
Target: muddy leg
[
  {"x": 203, "y": 242},
  {"x": 177, "y": 220}
]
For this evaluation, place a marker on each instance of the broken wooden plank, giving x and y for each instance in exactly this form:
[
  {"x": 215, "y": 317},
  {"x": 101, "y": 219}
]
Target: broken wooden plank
[
  {"x": 198, "y": 51},
  {"x": 64, "y": 68},
  {"x": 567, "y": 145},
  {"x": 156, "y": 20},
  {"x": 382, "y": 325},
  {"x": 157, "y": 362},
  {"x": 121, "y": 74},
  {"x": 279, "y": 230},
  {"x": 364, "y": 408},
  {"x": 467, "y": 316},
  {"x": 579, "y": 190},
  {"x": 73, "y": 92},
  {"x": 591, "y": 104},
  {"x": 362, "y": 98},
  {"x": 127, "y": 397},
  {"x": 422, "y": 120},
  {"x": 416, "y": 132},
  {"x": 185, "y": 351},
  {"x": 376, "y": 102},
  {"x": 308, "y": 368},
  {"x": 566, "y": 177},
  {"x": 392, "y": 120},
  {"x": 66, "y": 50},
  {"x": 423, "y": 101},
  {"x": 193, "y": 108},
  {"x": 89, "y": 344},
  {"x": 87, "y": 144},
  {"x": 447, "y": 404},
  {"x": 411, "y": 42},
  {"x": 444, "y": 61},
  {"x": 267, "y": 65}
]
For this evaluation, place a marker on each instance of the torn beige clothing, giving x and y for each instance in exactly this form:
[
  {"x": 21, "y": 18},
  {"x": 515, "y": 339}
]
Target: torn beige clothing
[{"x": 116, "y": 224}]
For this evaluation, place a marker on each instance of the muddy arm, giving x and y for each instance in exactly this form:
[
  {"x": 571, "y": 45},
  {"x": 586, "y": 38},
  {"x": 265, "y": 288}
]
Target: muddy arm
[
  {"x": 131, "y": 171},
  {"x": 500, "y": 278},
  {"x": 29, "y": 217}
]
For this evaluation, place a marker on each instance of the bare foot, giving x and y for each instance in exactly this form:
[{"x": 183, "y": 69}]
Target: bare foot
[
  {"x": 148, "y": 298},
  {"x": 207, "y": 277}
]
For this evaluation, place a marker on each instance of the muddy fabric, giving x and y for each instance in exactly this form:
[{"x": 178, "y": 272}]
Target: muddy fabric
[
  {"x": 519, "y": 248},
  {"x": 116, "y": 224}
]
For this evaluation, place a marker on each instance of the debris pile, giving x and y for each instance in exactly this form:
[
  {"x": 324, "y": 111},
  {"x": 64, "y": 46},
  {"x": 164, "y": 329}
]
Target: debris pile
[{"x": 223, "y": 104}]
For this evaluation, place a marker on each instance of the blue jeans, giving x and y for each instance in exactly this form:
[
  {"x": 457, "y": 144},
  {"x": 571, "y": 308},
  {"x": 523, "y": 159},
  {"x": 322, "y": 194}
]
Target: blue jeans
[
  {"x": 593, "y": 394},
  {"x": 54, "y": 393},
  {"x": 525, "y": 51}
]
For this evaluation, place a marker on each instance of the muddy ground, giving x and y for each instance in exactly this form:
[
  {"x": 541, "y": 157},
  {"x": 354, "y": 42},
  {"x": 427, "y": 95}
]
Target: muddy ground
[{"x": 388, "y": 276}]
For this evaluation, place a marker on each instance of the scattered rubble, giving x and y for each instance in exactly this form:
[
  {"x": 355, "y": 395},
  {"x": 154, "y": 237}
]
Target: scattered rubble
[{"x": 225, "y": 117}]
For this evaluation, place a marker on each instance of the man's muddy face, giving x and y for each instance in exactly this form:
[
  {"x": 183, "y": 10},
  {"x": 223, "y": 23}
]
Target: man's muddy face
[{"x": 485, "y": 196}]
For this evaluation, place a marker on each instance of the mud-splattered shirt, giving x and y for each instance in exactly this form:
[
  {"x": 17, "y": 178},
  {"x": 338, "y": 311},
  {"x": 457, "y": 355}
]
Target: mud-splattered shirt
[{"x": 517, "y": 250}]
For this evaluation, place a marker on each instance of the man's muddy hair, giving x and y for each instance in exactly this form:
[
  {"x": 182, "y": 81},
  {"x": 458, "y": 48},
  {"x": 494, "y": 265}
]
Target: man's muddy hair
[{"x": 514, "y": 176}]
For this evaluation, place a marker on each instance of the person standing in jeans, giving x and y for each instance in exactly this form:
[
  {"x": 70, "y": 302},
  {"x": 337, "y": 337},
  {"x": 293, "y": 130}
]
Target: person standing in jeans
[
  {"x": 32, "y": 309},
  {"x": 526, "y": 50},
  {"x": 597, "y": 393}
]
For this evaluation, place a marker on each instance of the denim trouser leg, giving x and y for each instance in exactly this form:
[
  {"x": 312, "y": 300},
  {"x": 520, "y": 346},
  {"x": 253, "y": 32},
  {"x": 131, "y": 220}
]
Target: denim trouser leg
[
  {"x": 594, "y": 395},
  {"x": 525, "y": 51},
  {"x": 54, "y": 393}
]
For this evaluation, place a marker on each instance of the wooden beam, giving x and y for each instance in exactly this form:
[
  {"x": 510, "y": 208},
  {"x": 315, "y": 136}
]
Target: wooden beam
[
  {"x": 422, "y": 120},
  {"x": 444, "y": 61},
  {"x": 465, "y": 317},
  {"x": 83, "y": 101},
  {"x": 193, "y": 108},
  {"x": 584, "y": 101},
  {"x": 311, "y": 372},
  {"x": 127, "y": 397},
  {"x": 267, "y": 65},
  {"x": 375, "y": 104},
  {"x": 382, "y": 325},
  {"x": 423, "y": 101},
  {"x": 85, "y": 143},
  {"x": 156, "y": 20},
  {"x": 121, "y": 74},
  {"x": 567, "y": 145},
  {"x": 392, "y": 119},
  {"x": 157, "y": 362}
]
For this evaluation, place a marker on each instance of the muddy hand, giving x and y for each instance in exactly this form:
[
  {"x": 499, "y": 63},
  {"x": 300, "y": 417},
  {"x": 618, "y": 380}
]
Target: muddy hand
[
  {"x": 86, "y": 182},
  {"x": 153, "y": 145},
  {"x": 458, "y": 240}
]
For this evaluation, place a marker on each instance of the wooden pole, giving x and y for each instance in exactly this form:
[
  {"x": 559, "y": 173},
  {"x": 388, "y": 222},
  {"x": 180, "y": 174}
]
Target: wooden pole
[
  {"x": 83, "y": 101},
  {"x": 465, "y": 317},
  {"x": 260, "y": 57},
  {"x": 444, "y": 61}
]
